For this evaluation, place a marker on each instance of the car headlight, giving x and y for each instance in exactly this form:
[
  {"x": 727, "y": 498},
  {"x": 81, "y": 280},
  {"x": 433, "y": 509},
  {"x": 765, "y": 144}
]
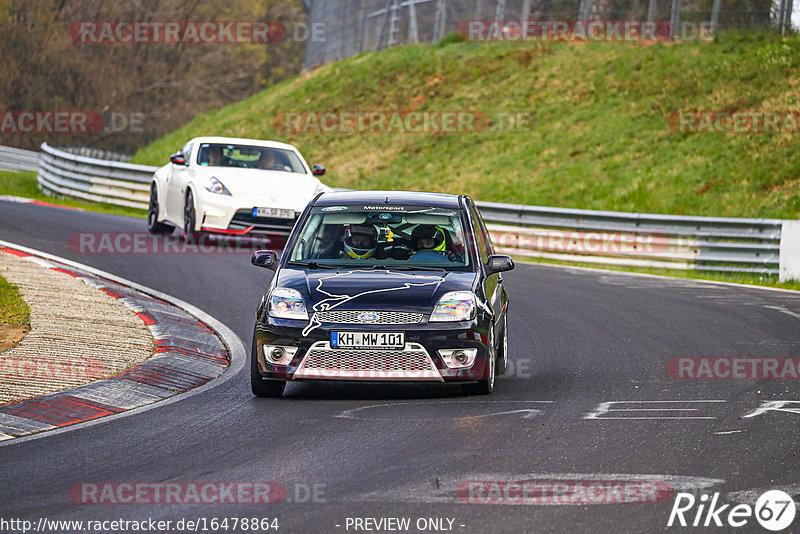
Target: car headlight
[
  {"x": 454, "y": 306},
  {"x": 286, "y": 303},
  {"x": 215, "y": 186}
]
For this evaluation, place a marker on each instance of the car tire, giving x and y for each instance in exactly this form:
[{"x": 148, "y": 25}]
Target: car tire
[
  {"x": 153, "y": 226},
  {"x": 259, "y": 386},
  {"x": 485, "y": 386},
  {"x": 502, "y": 357},
  {"x": 189, "y": 217}
]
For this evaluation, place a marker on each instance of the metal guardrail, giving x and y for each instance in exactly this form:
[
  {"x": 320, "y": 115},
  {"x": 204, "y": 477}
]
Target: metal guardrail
[
  {"x": 768, "y": 246},
  {"x": 96, "y": 180},
  {"x": 16, "y": 159},
  {"x": 637, "y": 239}
]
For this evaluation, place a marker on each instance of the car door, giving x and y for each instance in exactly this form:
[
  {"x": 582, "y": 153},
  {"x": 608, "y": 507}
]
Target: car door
[
  {"x": 492, "y": 283},
  {"x": 176, "y": 180}
]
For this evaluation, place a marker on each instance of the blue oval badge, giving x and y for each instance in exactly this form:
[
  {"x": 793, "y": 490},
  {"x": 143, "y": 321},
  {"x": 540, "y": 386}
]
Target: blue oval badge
[
  {"x": 335, "y": 208},
  {"x": 368, "y": 317}
]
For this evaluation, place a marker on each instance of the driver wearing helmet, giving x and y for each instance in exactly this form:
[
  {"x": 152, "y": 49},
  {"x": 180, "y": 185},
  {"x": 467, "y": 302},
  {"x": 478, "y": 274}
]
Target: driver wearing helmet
[
  {"x": 360, "y": 241},
  {"x": 429, "y": 238}
]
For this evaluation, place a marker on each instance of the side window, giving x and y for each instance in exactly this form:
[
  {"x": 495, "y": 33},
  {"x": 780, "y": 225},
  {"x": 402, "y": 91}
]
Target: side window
[
  {"x": 487, "y": 239},
  {"x": 305, "y": 244},
  {"x": 478, "y": 230},
  {"x": 187, "y": 151}
]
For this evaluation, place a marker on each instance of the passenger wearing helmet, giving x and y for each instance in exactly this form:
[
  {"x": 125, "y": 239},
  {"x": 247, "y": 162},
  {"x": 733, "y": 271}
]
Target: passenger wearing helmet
[
  {"x": 360, "y": 241},
  {"x": 429, "y": 238}
]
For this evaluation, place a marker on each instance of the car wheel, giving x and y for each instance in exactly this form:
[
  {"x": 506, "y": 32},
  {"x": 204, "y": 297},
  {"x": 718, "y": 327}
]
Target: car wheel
[
  {"x": 153, "y": 226},
  {"x": 189, "y": 216},
  {"x": 486, "y": 385},
  {"x": 259, "y": 386},
  {"x": 502, "y": 358}
]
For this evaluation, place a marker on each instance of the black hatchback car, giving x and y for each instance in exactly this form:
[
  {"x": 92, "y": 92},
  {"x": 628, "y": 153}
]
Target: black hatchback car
[{"x": 383, "y": 286}]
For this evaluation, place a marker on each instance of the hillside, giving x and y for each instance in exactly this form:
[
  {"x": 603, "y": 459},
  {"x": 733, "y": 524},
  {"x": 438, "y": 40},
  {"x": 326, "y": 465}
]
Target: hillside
[{"x": 598, "y": 137}]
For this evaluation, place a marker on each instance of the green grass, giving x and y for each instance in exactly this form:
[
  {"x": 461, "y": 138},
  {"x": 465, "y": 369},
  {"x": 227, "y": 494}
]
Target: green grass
[
  {"x": 764, "y": 280},
  {"x": 23, "y": 184},
  {"x": 13, "y": 310},
  {"x": 599, "y": 137}
]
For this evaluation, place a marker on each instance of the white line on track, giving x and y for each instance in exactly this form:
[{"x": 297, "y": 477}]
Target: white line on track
[
  {"x": 525, "y": 413},
  {"x": 657, "y": 276}
]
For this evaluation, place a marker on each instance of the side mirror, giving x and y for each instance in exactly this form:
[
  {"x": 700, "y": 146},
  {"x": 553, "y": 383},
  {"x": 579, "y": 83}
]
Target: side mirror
[
  {"x": 498, "y": 263},
  {"x": 178, "y": 159},
  {"x": 265, "y": 258},
  {"x": 317, "y": 170}
]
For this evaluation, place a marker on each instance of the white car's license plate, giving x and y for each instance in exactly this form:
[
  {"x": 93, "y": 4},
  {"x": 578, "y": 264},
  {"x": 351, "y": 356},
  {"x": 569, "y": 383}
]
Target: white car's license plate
[
  {"x": 277, "y": 213},
  {"x": 367, "y": 340}
]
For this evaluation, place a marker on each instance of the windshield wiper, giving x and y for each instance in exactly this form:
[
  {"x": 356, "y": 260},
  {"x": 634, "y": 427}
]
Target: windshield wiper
[
  {"x": 313, "y": 265},
  {"x": 409, "y": 268}
]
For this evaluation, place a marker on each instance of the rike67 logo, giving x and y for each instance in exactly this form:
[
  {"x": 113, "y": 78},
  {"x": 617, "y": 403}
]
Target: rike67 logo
[{"x": 774, "y": 510}]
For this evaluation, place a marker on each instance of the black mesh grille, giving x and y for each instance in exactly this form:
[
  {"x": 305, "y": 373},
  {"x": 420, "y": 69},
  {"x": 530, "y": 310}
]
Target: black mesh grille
[{"x": 244, "y": 218}]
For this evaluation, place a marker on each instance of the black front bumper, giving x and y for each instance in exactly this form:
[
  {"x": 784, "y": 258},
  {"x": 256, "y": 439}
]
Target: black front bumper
[{"x": 430, "y": 336}]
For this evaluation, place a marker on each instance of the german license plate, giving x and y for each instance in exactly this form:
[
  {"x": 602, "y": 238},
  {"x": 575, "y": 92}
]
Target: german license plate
[
  {"x": 276, "y": 213},
  {"x": 367, "y": 340}
]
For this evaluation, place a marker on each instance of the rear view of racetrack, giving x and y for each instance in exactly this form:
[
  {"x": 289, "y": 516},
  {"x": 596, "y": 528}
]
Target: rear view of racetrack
[{"x": 607, "y": 414}]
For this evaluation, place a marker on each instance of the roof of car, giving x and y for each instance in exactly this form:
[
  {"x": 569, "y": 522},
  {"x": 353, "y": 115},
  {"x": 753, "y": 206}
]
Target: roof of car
[
  {"x": 243, "y": 141},
  {"x": 438, "y": 200}
]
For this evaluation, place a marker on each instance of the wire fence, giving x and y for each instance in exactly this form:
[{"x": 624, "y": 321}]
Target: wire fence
[{"x": 353, "y": 26}]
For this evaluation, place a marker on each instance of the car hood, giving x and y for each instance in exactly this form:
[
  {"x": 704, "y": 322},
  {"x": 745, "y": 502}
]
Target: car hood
[
  {"x": 293, "y": 188},
  {"x": 412, "y": 291}
]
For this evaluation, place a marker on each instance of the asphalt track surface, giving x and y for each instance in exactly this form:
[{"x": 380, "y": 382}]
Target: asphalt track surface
[{"x": 578, "y": 338}]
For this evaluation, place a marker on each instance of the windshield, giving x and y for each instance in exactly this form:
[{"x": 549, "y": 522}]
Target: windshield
[
  {"x": 390, "y": 236},
  {"x": 249, "y": 157}
]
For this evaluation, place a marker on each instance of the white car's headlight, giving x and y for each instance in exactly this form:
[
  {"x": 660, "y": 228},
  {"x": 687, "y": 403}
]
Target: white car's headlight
[
  {"x": 215, "y": 186},
  {"x": 454, "y": 306},
  {"x": 286, "y": 303}
]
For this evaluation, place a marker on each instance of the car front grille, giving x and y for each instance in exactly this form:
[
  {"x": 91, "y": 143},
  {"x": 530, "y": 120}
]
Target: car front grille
[
  {"x": 410, "y": 364},
  {"x": 358, "y": 317},
  {"x": 243, "y": 219}
]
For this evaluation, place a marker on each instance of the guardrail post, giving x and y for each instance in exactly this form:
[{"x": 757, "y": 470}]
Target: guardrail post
[
  {"x": 675, "y": 19},
  {"x": 790, "y": 251},
  {"x": 526, "y": 10},
  {"x": 439, "y": 20},
  {"x": 413, "y": 30},
  {"x": 715, "y": 17},
  {"x": 500, "y": 11},
  {"x": 651, "y": 10}
]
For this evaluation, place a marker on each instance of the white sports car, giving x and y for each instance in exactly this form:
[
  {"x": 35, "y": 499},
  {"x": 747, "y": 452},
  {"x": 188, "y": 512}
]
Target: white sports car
[{"x": 232, "y": 186}]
